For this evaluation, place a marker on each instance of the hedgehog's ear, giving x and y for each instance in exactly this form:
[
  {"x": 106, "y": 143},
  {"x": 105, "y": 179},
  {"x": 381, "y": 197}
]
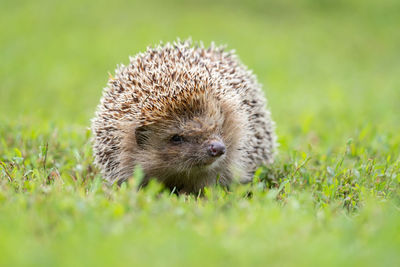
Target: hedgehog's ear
[{"x": 142, "y": 135}]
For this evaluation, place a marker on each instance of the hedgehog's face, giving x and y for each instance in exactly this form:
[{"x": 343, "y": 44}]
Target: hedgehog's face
[
  {"x": 197, "y": 142},
  {"x": 185, "y": 143}
]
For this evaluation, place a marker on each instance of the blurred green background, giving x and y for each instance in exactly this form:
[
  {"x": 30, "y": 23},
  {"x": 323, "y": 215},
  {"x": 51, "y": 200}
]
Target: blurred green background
[
  {"x": 331, "y": 72},
  {"x": 329, "y": 66}
]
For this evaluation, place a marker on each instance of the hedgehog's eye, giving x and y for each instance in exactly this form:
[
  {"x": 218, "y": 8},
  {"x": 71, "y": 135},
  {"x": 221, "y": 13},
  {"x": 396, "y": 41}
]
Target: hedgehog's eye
[{"x": 176, "y": 139}]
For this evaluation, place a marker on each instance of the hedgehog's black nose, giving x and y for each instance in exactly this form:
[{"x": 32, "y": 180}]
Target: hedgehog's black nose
[{"x": 216, "y": 148}]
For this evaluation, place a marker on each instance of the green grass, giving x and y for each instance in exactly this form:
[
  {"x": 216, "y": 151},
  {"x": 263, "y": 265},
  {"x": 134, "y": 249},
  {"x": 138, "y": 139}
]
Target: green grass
[{"x": 330, "y": 70}]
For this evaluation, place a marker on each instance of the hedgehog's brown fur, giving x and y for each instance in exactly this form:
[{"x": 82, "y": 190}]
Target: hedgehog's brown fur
[{"x": 199, "y": 93}]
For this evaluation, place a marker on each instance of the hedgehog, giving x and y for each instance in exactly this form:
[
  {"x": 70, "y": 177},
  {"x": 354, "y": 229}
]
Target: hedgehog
[{"x": 190, "y": 116}]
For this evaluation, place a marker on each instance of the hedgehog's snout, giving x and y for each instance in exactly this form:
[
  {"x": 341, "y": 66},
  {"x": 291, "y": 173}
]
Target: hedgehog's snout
[{"x": 216, "y": 148}]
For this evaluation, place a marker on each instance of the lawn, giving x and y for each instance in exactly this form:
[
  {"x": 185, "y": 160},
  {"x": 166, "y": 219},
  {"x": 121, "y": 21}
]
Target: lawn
[{"x": 330, "y": 70}]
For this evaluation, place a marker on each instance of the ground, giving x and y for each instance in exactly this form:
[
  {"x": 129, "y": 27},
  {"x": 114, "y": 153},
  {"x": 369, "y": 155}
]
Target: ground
[{"x": 330, "y": 71}]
